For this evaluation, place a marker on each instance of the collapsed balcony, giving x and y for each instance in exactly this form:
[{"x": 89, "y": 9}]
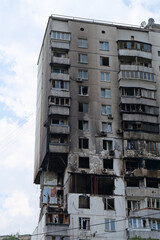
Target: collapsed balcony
[{"x": 91, "y": 184}]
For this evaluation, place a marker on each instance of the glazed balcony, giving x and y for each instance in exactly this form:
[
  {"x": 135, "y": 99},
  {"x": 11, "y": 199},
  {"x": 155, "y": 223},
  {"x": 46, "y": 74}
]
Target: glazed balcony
[
  {"x": 134, "y": 67},
  {"x": 60, "y": 45},
  {"x": 135, "y": 53}
]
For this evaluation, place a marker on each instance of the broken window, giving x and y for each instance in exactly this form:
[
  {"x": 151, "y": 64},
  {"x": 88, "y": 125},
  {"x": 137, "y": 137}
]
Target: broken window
[
  {"x": 107, "y": 145},
  {"x": 83, "y": 125},
  {"x": 60, "y": 101},
  {"x": 153, "y": 203},
  {"x": 59, "y": 121},
  {"x": 109, "y": 204},
  {"x": 83, "y": 107},
  {"x": 152, "y": 182},
  {"x": 84, "y": 223},
  {"x": 104, "y": 61},
  {"x": 84, "y": 201},
  {"x": 91, "y": 184},
  {"x": 131, "y": 144},
  {"x": 131, "y": 165},
  {"x": 152, "y": 164},
  {"x": 83, "y": 90},
  {"x": 109, "y": 225},
  {"x": 84, "y": 143},
  {"x": 108, "y": 163},
  {"x": 58, "y": 139},
  {"x": 54, "y": 218},
  {"x": 83, "y": 162},
  {"x": 132, "y": 182}
]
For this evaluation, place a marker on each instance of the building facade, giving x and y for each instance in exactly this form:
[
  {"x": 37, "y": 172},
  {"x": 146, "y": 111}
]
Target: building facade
[{"x": 97, "y": 153}]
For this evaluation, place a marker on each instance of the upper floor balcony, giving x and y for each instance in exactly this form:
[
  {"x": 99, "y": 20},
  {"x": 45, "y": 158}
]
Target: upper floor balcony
[
  {"x": 59, "y": 129},
  {"x": 134, "y": 48},
  {"x": 58, "y": 147},
  {"x": 60, "y": 76},
  {"x": 61, "y": 60},
  {"x": 135, "y": 67},
  {"x": 58, "y": 110},
  {"x": 60, "y": 45}
]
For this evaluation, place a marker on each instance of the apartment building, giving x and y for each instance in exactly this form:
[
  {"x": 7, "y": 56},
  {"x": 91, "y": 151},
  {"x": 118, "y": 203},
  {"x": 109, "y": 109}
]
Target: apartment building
[{"x": 97, "y": 153}]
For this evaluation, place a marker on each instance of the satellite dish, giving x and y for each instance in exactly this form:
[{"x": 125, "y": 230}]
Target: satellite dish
[
  {"x": 151, "y": 21},
  {"x": 143, "y": 24}
]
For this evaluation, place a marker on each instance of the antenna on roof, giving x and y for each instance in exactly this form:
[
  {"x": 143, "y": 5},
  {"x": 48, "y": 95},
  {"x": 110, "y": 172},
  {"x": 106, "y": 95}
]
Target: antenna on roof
[
  {"x": 151, "y": 21},
  {"x": 143, "y": 24}
]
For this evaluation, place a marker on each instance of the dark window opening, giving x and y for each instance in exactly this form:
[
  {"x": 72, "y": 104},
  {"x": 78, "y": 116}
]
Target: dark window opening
[
  {"x": 132, "y": 165},
  {"x": 83, "y": 143},
  {"x": 91, "y": 184},
  {"x": 104, "y": 61},
  {"x": 132, "y": 182},
  {"x": 84, "y": 223},
  {"x": 109, "y": 204},
  {"x": 108, "y": 163},
  {"x": 57, "y": 219},
  {"x": 152, "y": 164},
  {"x": 107, "y": 145},
  {"x": 84, "y": 201},
  {"x": 152, "y": 183},
  {"x": 83, "y": 162}
]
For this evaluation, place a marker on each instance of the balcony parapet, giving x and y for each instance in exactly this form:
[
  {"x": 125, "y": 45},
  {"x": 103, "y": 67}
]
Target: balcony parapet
[
  {"x": 58, "y": 148},
  {"x": 58, "y": 129},
  {"x": 135, "y": 53},
  {"x": 62, "y": 45},
  {"x": 60, "y": 76},
  {"x": 125, "y": 67},
  {"x": 59, "y": 110},
  {"x": 61, "y": 60}
]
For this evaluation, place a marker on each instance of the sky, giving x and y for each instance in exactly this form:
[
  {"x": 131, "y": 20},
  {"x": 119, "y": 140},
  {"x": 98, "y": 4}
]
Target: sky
[{"x": 22, "y": 26}]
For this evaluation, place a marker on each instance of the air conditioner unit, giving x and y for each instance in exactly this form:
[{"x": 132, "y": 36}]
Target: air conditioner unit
[
  {"x": 103, "y": 133},
  {"x": 110, "y": 116},
  {"x": 119, "y": 131},
  {"x": 79, "y": 79},
  {"x": 111, "y": 152}
]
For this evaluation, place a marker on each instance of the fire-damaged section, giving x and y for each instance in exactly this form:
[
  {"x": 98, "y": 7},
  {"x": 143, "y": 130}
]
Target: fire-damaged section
[{"x": 91, "y": 184}]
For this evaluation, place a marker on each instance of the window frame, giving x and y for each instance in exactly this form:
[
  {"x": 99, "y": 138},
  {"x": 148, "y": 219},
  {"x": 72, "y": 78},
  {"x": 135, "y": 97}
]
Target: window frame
[
  {"x": 83, "y": 58},
  {"x": 104, "y": 45},
  {"x": 82, "y": 43}
]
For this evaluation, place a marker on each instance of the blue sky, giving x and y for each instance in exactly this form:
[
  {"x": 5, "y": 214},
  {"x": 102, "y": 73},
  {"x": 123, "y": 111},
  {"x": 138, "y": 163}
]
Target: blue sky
[{"x": 22, "y": 25}]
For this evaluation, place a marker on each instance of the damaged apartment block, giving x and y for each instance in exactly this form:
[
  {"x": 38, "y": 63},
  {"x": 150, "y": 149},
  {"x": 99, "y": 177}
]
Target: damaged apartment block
[{"x": 97, "y": 151}]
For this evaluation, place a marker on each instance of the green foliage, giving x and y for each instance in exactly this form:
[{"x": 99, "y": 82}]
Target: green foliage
[
  {"x": 12, "y": 237},
  {"x": 139, "y": 238}
]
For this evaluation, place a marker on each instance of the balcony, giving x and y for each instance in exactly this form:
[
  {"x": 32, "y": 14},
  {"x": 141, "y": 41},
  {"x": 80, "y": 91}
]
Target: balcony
[
  {"x": 61, "y": 60},
  {"x": 61, "y": 45},
  {"x": 60, "y": 76},
  {"x": 144, "y": 233},
  {"x": 135, "y": 53},
  {"x": 138, "y": 100},
  {"x": 142, "y": 191},
  {"x": 59, "y": 129},
  {"x": 58, "y": 148},
  {"x": 60, "y": 93},
  {"x": 141, "y": 153},
  {"x": 125, "y": 67},
  {"x": 139, "y": 117},
  {"x": 59, "y": 110}
]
